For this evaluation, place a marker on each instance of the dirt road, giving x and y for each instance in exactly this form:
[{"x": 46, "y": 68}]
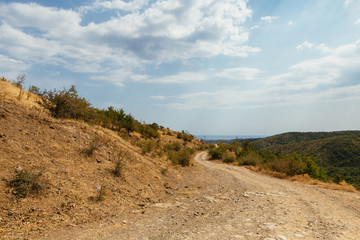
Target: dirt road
[{"x": 217, "y": 201}]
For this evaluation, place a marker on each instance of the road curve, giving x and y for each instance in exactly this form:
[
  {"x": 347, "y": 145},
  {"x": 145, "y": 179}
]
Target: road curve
[
  {"x": 218, "y": 201},
  {"x": 299, "y": 210}
]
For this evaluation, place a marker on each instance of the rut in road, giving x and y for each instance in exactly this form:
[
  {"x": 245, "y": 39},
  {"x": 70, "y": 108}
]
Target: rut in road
[{"x": 218, "y": 201}]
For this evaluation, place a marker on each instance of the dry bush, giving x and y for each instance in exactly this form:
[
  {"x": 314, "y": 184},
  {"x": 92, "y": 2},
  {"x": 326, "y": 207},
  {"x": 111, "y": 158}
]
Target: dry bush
[
  {"x": 164, "y": 171},
  {"x": 26, "y": 182},
  {"x": 94, "y": 145},
  {"x": 119, "y": 164}
]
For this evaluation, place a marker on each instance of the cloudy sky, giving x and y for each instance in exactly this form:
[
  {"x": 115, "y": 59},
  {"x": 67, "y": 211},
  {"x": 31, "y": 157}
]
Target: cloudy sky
[{"x": 256, "y": 67}]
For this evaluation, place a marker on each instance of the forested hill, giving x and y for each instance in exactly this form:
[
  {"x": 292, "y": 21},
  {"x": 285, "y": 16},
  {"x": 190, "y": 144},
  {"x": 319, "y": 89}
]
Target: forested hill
[
  {"x": 336, "y": 152},
  {"x": 295, "y": 137}
]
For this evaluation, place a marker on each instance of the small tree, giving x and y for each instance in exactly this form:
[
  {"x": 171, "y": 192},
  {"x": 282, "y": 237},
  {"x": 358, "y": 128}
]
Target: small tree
[{"x": 67, "y": 104}]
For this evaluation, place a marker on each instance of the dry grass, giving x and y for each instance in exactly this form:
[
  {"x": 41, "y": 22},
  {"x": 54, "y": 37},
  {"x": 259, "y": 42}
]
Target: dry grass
[
  {"x": 305, "y": 179},
  {"x": 11, "y": 92}
]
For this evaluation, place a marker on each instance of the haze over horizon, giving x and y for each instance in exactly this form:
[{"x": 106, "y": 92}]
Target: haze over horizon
[{"x": 215, "y": 67}]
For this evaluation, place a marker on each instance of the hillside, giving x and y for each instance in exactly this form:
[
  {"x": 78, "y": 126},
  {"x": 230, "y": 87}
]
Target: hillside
[
  {"x": 295, "y": 137},
  {"x": 85, "y": 173},
  {"x": 336, "y": 152}
]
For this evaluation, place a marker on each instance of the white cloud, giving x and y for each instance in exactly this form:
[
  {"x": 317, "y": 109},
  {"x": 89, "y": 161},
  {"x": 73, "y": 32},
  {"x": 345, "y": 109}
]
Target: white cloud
[
  {"x": 240, "y": 73},
  {"x": 161, "y": 31},
  {"x": 321, "y": 47},
  {"x": 116, "y": 4},
  {"x": 330, "y": 78},
  {"x": 304, "y": 45},
  {"x": 158, "y": 97},
  {"x": 290, "y": 23},
  {"x": 182, "y": 77},
  {"x": 268, "y": 18},
  {"x": 357, "y": 21}
]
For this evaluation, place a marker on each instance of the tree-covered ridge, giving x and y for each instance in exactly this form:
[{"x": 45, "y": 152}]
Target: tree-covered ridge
[
  {"x": 295, "y": 137},
  {"x": 338, "y": 154}
]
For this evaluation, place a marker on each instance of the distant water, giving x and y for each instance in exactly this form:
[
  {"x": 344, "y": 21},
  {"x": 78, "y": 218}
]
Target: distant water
[{"x": 227, "y": 137}]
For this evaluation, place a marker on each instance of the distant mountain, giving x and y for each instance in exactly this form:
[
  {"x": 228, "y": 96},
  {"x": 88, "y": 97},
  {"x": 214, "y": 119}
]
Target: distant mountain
[{"x": 337, "y": 152}]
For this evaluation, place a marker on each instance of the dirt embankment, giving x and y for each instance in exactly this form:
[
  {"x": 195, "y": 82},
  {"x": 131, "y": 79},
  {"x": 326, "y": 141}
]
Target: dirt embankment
[{"x": 72, "y": 174}]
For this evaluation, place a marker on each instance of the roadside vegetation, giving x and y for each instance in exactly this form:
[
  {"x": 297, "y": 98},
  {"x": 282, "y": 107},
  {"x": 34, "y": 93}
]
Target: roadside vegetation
[
  {"x": 68, "y": 104},
  {"x": 274, "y": 162},
  {"x": 338, "y": 153}
]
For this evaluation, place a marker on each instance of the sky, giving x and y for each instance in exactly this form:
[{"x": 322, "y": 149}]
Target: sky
[{"x": 210, "y": 67}]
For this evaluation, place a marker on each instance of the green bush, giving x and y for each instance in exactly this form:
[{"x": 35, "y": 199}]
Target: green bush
[
  {"x": 67, "y": 104},
  {"x": 174, "y": 146},
  {"x": 251, "y": 159},
  {"x": 229, "y": 158},
  {"x": 149, "y": 145},
  {"x": 187, "y": 137},
  {"x": 216, "y": 153},
  {"x": 148, "y": 131},
  {"x": 313, "y": 170},
  {"x": 26, "y": 182},
  {"x": 181, "y": 157},
  {"x": 34, "y": 89}
]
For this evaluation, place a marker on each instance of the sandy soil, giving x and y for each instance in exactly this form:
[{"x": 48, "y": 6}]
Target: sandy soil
[{"x": 218, "y": 201}]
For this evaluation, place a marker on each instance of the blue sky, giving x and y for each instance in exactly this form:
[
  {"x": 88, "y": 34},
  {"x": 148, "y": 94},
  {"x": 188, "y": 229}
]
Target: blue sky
[{"x": 236, "y": 67}]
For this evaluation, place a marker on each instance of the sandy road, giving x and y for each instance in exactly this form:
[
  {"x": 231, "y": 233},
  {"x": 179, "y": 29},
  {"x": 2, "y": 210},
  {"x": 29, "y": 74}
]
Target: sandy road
[{"x": 218, "y": 201}]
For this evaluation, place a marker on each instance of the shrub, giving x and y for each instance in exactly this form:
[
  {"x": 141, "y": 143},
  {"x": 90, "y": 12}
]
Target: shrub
[
  {"x": 216, "y": 153},
  {"x": 174, "y": 146},
  {"x": 20, "y": 79},
  {"x": 313, "y": 170},
  {"x": 164, "y": 171},
  {"x": 247, "y": 146},
  {"x": 94, "y": 144},
  {"x": 185, "y": 136},
  {"x": 181, "y": 157},
  {"x": 229, "y": 158},
  {"x": 148, "y": 131},
  {"x": 35, "y": 90},
  {"x": 148, "y": 146},
  {"x": 119, "y": 164},
  {"x": 26, "y": 182},
  {"x": 118, "y": 168},
  {"x": 67, "y": 104},
  {"x": 338, "y": 179},
  {"x": 251, "y": 159}
]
